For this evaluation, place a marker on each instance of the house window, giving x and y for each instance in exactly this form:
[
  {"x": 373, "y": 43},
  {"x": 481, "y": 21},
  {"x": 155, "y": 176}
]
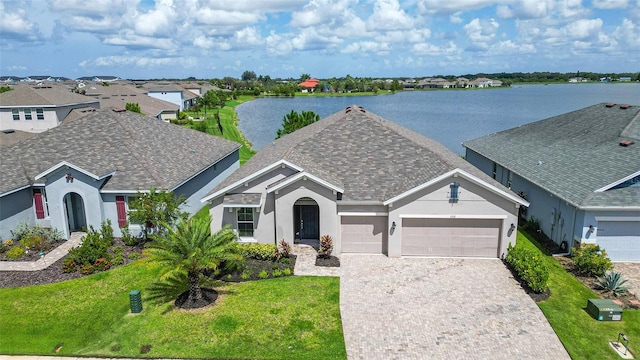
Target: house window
[
  {"x": 453, "y": 192},
  {"x": 130, "y": 200},
  {"x": 40, "y": 114},
  {"x": 495, "y": 170},
  {"x": 27, "y": 114},
  {"x": 510, "y": 180},
  {"x": 40, "y": 203},
  {"x": 16, "y": 114},
  {"x": 245, "y": 222}
]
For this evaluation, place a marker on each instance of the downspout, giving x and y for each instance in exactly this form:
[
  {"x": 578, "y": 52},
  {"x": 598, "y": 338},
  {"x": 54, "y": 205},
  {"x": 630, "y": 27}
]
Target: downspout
[{"x": 573, "y": 229}]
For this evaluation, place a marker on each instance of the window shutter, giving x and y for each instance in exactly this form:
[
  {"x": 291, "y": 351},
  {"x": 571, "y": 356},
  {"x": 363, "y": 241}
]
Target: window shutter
[
  {"x": 122, "y": 211},
  {"x": 37, "y": 199}
]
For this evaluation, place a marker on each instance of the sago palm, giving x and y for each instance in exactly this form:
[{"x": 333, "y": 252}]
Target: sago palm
[{"x": 189, "y": 249}]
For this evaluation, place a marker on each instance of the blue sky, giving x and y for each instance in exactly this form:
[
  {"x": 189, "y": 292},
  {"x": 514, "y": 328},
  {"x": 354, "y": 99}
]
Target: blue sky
[{"x": 323, "y": 38}]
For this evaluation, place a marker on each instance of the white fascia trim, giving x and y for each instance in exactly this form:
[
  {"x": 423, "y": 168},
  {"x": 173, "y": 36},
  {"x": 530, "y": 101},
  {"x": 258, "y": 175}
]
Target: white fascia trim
[
  {"x": 15, "y": 190},
  {"x": 466, "y": 175},
  {"x": 607, "y": 187},
  {"x": 617, "y": 218},
  {"x": 373, "y": 213},
  {"x": 77, "y": 168},
  {"x": 251, "y": 177},
  {"x": 302, "y": 175},
  {"x": 451, "y": 216},
  {"x": 242, "y": 205},
  {"x": 359, "y": 202},
  {"x": 125, "y": 191},
  {"x": 206, "y": 168}
]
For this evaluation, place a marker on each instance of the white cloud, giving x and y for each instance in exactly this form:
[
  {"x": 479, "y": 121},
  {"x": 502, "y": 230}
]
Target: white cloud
[
  {"x": 434, "y": 50},
  {"x": 454, "y": 6},
  {"x": 248, "y": 36},
  {"x": 366, "y": 47},
  {"x": 610, "y": 4},
  {"x": 387, "y": 15},
  {"x": 132, "y": 40},
  {"x": 404, "y": 37},
  {"x": 321, "y": 12},
  {"x": 15, "y": 23},
  {"x": 628, "y": 34},
  {"x": 158, "y": 21},
  {"x": 138, "y": 61},
  {"x": 455, "y": 18},
  {"x": 584, "y": 29},
  {"x": 511, "y": 47},
  {"x": 481, "y": 30},
  {"x": 278, "y": 44},
  {"x": 204, "y": 42}
]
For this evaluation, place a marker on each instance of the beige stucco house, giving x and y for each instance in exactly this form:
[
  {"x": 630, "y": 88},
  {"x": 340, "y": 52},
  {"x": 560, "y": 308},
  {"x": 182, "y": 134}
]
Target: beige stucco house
[
  {"x": 39, "y": 108},
  {"x": 373, "y": 186}
]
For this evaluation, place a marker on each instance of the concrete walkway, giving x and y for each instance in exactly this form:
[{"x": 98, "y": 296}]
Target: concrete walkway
[
  {"x": 306, "y": 263},
  {"x": 61, "y": 251}
]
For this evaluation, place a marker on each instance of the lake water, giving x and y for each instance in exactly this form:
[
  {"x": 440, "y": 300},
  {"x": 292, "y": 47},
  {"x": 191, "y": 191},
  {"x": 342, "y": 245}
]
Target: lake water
[{"x": 447, "y": 116}]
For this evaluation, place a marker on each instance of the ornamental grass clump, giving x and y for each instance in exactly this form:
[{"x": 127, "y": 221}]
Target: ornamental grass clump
[
  {"x": 612, "y": 282},
  {"x": 529, "y": 267}
]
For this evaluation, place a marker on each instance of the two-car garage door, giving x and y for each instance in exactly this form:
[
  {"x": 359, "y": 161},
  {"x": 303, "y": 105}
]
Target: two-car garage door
[{"x": 451, "y": 237}]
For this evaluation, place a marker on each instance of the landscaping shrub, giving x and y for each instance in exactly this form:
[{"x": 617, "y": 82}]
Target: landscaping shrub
[
  {"x": 15, "y": 252},
  {"x": 258, "y": 251},
  {"x": 326, "y": 246},
  {"x": 117, "y": 259},
  {"x": 246, "y": 274},
  {"x": 46, "y": 234},
  {"x": 107, "y": 232},
  {"x": 285, "y": 248},
  {"x": 532, "y": 225},
  {"x": 93, "y": 247},
  {"x": 101, "y": 264},
  {"x": 87, "y": 269},
  {"x": 276, "y": 273},
  {"x": 32, "y": 241},
  {"x": 263, "y": 274},
  {"x": 286, "y": 271},
  {"x": 529, "y": 267},
  {"x": 21, "y": 230},
  {"x": 69, "y": 266},
  {"x": 127, "y": 238},
  {"x": 591, "y": 260},
  {"x": 613, "y": 282},
  {"x": 134, "y": 256}
]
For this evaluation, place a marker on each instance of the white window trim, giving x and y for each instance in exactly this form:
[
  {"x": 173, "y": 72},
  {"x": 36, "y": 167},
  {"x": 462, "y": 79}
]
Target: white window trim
[{"x": 253, "y": 225}]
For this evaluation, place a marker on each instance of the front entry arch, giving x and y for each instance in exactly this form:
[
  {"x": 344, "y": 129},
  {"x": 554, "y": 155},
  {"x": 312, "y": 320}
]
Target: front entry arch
[
  {"x": 74, "y": 209},
  {"x": 306, "y": 220}
]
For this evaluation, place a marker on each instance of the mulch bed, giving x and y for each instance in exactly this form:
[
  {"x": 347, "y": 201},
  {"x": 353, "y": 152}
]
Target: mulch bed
[
  {"x": 330, "y": 261},
  {"x": 209, "y": 296},
  {"x": 31, "y": 255},
  {"x": 589, "y": 281},
  {"x": 53, "y": 273}
]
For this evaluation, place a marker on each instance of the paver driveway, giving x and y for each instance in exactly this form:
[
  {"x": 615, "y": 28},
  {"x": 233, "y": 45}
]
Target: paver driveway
[
  {"x": 426, "y": 308},
  {"x": 631, "y": 272}
]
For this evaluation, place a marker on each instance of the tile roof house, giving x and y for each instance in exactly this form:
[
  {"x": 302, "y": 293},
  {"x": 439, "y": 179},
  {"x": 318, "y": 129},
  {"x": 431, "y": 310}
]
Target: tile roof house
[
  {"x": 85, "y": 170},
  {"x": 36, "y": 109},
  {"x": 579, "y": 170},
  {"x": 373, "y": 186}
]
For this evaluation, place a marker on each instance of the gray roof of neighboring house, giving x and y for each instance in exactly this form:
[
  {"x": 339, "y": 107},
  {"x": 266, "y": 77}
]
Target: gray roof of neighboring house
[
  {"x": 8, "y": 137},
  {"x": 142, "y": 151},
  {"x": 116, "y": 95},
  {"x": 573, "y": 154},
  {"x": 371, "y": 158},
  {"x": 42, "y": 96}
]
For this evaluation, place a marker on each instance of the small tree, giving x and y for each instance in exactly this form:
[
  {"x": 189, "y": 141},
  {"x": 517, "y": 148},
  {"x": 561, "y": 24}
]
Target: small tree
[
  {"x": 155, "y": 207},
  {"x": 294, "y": 121},
  {"x": 189, "y": 249}
]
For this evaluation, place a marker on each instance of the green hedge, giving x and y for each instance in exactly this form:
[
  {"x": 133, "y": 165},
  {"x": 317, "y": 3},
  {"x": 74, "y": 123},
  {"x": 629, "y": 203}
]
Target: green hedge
[
  {"x": 529, "y": 266},
  {"x": 258, "y": 251}
]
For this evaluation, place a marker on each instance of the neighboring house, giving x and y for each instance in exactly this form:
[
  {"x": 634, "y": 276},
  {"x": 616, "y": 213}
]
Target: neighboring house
[
  {"x": 36, "y": 109},
  {"x": 625, "y": 78},
  {"x": 373, "y": 186},
  {"x": 174, "y": 94},
  {"x": 118, "y": 95},
  {"x": 580, "y": 171},
  {"x": 309, "y": 85},
  {"x": 86, "y": 170}
]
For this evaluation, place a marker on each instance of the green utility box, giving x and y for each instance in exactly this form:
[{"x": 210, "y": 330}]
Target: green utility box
[
  {"x": 604, "y": 310},
  {"x": 136, "y": 301}
]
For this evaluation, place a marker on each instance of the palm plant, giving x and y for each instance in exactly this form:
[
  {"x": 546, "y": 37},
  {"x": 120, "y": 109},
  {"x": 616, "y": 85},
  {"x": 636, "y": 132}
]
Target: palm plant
[
  {"x": 613, "y": 282},
  {"x": 188, "y": 250}
]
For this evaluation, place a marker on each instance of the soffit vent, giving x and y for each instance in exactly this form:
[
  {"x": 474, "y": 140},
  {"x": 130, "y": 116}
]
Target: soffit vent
[{"x": 626, "y": 143}]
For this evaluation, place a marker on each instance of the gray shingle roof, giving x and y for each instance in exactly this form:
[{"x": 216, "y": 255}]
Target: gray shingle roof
[
  {"x": 42, "y": 96},
  {"x": 116, "y": 95},
  {"x": 243, "y": 199},
  {"x": 371, "y": 158},
  {"x": 573, "y": 154},
  {"x": 144, "y": 152}
]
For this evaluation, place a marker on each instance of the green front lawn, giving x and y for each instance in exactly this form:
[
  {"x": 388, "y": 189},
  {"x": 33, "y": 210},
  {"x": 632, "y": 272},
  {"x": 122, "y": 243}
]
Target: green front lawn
[
  {"x": 582, "y": 336},
  {"x": 284, "y": 318}
]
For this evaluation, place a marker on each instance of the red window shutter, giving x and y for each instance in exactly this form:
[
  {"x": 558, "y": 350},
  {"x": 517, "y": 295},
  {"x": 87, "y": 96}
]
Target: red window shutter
[
  {"x": 37, "y": 199},
  {"x": 122, "y": 212}
]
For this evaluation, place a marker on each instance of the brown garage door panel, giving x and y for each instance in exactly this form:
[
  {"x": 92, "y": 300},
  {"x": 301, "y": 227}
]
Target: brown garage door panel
[
  {"x": 362, "y": 234},
  {"x": 450, "y": 237}
]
